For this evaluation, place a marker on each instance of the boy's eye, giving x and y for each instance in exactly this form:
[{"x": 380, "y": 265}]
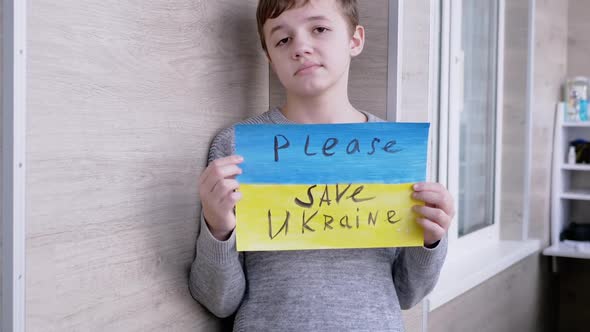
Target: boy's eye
[
  {"x": 282, "y": 41},
  {"x": 320, "y": 29}
]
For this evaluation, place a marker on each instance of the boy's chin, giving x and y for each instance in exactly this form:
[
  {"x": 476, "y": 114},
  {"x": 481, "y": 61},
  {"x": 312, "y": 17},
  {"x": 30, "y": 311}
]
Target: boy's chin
[{"x": 310, "y": 91}]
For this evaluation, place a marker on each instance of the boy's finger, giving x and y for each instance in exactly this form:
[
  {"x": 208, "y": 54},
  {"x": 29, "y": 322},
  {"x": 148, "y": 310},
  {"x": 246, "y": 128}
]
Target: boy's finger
[
  {"x": 230, "y": 200},
  {"x": 428, "y": 186},
  {"x": 217, "y": 163},
  {"x": 219, "y": 173},
  {"x": 435, "y": 215},
  {"x": 435, "y": 198},
  {"x": 431, "y": 229},
  {"x": 224, "y": 187}
]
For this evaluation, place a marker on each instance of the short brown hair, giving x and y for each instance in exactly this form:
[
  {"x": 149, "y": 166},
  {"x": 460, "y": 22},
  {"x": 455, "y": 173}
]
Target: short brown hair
[{"x": 268, "y": 9}]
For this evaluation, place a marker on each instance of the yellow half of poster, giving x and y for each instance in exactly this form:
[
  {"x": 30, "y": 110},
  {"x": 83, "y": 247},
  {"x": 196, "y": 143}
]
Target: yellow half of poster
[{"x": 297, "y": 217}]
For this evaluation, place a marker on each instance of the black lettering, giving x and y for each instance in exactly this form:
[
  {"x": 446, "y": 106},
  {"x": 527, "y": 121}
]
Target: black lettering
[
  {"x": 309, "y": 196},
  {"x": 306, "y": 221},
  {"x": 355, "y": 147},
  {"x": 277, "y": 147},
  {"x": 372, "y": 219},
  {"x": 307, "y": 153},
  {"x": 285, "y": 225},
  {"x": 390, "y": 215},
  {"x": 325, "y": 196},
  {"x": 344, "y": 225},
  {"x": 327, "y": 223},
  {"x": 388, "y": 147},
  {"x": 375, "y": 139},
  {"x": 357, "y": 218},
  {"x": 357, "y": 191},
  {"x": 338, "y": 194},
  {"x": 329, "y": 144}
]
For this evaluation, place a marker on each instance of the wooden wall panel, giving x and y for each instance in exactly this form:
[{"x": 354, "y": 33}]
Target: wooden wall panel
[
  {"x": 550, "y": 71},
  {"x": 123, "y": 99},
  {"x": 578, "y": 41},
  {"x": 510, "y": 301},
  {"x": 368, "y": 71},
  {"x": 578, "y": 64},
  {"x": 415, "y": 57},
  {"x": 514, "y": 118}
]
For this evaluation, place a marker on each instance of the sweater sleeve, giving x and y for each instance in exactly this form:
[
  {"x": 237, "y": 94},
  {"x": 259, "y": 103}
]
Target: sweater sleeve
[
  {"x": 217, "y": 279},
  {"x": 416, "y": 271}
]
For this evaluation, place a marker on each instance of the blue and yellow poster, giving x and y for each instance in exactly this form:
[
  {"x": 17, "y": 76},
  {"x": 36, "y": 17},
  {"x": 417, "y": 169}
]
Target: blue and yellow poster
[{"x": 329, "y": 186}]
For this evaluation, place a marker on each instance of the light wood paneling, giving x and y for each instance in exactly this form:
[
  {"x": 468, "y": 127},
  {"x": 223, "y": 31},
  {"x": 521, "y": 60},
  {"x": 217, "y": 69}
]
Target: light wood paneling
[
  {"x": 550, "y": 71},
  {"x": 415, "y": 66},
  {"x": 578, "y": 64},
  {"x": 510, "y": 301},
  {"x": 578, "y": 41},
  {"x": 368, "y": 71},
  {"x": 514, "y": 118},
  {"x": 123, "y": 99}
]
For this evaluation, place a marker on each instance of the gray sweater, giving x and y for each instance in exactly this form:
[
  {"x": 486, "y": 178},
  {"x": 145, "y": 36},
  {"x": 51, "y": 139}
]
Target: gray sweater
[{"x": 309, "y": 290}]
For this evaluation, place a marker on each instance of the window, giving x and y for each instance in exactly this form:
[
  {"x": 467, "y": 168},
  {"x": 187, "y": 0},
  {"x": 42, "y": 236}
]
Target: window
[
  {"x": 473, "y": 117},
  {"x": 469, "y": 143},
  {"x": 477, "y": 119}
]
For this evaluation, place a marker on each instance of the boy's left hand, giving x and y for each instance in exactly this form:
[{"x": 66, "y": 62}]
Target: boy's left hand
[{"x": 437, "y": 213}]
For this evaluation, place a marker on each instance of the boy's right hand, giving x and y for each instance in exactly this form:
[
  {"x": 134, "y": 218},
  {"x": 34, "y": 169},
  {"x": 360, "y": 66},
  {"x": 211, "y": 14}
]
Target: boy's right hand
[{"x": 217, "y": 185}]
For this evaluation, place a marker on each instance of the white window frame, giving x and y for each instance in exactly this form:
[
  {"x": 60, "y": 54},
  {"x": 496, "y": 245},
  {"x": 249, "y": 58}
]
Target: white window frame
[
  {"x": 477, "y": 256},
  {"x": 449, "y": 129}
]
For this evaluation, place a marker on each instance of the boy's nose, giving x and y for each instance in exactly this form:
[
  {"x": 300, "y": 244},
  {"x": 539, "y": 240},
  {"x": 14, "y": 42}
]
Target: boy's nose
[{"x": 301, "y": 49}]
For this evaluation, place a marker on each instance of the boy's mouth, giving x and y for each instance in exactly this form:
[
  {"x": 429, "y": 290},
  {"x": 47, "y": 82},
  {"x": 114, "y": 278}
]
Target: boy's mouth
[{"x": 307, "y": 68}]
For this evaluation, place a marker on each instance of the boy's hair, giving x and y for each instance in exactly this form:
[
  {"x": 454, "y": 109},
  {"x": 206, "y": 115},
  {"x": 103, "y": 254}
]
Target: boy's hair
[{"x": 268, "y": 9}]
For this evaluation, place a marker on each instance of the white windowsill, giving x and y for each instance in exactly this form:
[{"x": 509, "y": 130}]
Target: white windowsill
[{"x": 463, "y": 272}]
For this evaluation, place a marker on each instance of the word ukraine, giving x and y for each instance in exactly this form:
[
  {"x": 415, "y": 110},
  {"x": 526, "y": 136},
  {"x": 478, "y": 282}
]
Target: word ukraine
[{"x": 329, "y": 186}]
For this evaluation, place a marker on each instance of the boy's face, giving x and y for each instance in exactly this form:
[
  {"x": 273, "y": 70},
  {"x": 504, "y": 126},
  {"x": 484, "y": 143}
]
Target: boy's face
[{"x": 310, "y": 47}]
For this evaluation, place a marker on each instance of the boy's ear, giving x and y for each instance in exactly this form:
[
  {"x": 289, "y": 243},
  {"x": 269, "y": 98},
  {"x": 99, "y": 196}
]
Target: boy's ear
[{"x": 357, "y": 42}]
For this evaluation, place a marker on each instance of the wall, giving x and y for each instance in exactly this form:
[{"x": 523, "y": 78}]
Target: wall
[
  {"x": 578, "y": 64},
  {"x": 514, "y": 118},
  {"x": 520, "y": 298},
  {"x": 123, "y": 99},
  {"x": 415, "y": 57},
  {"x": 578, "y": 41}
]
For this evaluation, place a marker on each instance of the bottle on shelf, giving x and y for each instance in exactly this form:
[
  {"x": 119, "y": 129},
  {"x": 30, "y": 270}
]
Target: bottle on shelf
[{"x": 571, "y": 155}]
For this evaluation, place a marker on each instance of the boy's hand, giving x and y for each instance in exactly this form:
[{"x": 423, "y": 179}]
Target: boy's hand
[
  {"x": 218, "y": 196},
  {"x": 437, "y": 213}
]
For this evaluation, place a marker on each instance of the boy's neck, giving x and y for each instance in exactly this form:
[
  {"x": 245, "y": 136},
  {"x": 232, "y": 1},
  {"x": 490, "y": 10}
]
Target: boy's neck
[{"x": 321, "y": 109}]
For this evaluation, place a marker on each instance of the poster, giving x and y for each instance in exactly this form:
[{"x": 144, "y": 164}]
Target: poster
[{"x": 328, "y": 186}]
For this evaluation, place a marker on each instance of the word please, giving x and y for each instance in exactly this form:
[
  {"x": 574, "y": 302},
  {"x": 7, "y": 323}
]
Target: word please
[{"x": 332, "y": 145}]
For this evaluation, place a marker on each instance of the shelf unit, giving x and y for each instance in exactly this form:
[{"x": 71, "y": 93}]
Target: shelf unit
[{"x": 562, "y": 191}]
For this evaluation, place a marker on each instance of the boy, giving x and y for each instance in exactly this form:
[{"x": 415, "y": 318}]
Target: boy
[{"x": 309, "y": 44}]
